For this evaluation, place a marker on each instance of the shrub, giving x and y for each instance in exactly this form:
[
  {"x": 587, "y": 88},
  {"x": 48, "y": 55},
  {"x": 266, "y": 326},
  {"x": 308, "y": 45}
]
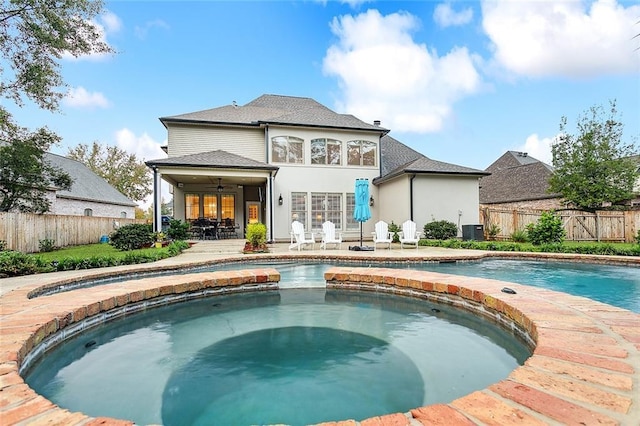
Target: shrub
[
  {"x": 492, "y": 231},
  {"x": 440, "y": 230},
  {"x": 132, "y": 237},
  {"x": 637, "y": 239},
  {"x": 257, "y": 234},
  {"x": 394, "y": 229},
  {"x": 14, "y": 263},
  {"x": 178, "y": 230},
  {"x": 3, "y": 245},
  {"x": 519, "y": 236},
  {"x": 547, "y": 230},
  {"x": 47, "y": 245}
]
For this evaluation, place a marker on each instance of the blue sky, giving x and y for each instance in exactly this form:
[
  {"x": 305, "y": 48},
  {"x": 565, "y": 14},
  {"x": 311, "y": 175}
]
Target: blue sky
[{"x": 461, "y": 82}]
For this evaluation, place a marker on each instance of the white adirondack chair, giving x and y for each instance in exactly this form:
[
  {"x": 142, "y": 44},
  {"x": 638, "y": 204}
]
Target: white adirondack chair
[
  {"x": 382, "y": 235},
  {"x": 329, "y": 236},
  {"x": 409, "y": 234},
  {"x": 299, "y": 238}
]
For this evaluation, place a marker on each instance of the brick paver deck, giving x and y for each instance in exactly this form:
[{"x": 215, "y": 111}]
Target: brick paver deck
[{"x": 583, "y": 371}]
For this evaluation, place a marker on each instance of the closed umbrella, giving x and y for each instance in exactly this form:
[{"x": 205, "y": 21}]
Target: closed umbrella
[{"x": 361, "y": 212}]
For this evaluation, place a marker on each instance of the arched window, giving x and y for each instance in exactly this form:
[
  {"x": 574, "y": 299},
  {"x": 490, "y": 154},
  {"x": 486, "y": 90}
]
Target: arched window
[
  {"x": 88, "y": 212},
  {"x": 326, "y": 151},
  {"x": 123, "y": 215},
  {"x": 361, "y": 153},
  {"x": 287, "y": 149}
]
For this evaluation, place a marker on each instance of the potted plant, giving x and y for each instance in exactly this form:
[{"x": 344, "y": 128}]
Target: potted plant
[
  {"x": 159, "y": 239},
  {"x": 256, "y": 238}
]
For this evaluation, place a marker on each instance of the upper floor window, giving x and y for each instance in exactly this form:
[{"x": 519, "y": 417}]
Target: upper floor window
[
  {"x": 326, "y": 151},
  {"x": 361, "y": 153},
  {"x": 123, "y": 215},
  {"x": 287, "y": 149},
  {"x": 88, "y": 212}
]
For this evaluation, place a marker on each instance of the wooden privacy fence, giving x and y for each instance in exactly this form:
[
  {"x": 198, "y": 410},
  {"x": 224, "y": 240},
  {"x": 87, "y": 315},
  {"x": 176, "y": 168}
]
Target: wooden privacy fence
[
  {"x": 620, "y": 226},
  {"x": 24, "y": 231}
]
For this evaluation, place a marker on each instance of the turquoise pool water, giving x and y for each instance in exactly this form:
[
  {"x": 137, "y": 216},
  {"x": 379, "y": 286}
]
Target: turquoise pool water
[
  {"x": 294, "y": 356},
  {"x": 614, "y": 285}
]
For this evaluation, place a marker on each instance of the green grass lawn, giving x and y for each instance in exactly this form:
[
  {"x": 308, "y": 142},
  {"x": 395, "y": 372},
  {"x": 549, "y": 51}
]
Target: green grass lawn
[{"x": 90, "y": 250}]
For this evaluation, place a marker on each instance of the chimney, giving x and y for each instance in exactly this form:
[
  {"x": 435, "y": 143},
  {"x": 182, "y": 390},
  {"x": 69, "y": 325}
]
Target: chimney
[{"x": 376, "y": 122}]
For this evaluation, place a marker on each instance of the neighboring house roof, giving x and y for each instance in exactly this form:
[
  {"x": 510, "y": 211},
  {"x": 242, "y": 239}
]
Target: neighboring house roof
[
  {"x": 516, "y": 176},
  {"x": 217, "y": 158},
  {"x": 398, "y": 159},
  {"x": 86, "y": 184},
  {"x": 275, "y": 109}
]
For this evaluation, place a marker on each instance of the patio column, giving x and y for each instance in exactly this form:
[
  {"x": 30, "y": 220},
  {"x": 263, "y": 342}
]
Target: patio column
[{"x": 157, "y": 201}]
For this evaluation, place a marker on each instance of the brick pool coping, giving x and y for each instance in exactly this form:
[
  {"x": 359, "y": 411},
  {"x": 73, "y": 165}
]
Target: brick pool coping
[{"x": 583, "y": 369}]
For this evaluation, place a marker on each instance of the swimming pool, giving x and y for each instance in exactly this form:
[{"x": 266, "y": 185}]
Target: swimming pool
[
  {"x": 615, "y": 285},
  {"x": 294, "y": 356}
]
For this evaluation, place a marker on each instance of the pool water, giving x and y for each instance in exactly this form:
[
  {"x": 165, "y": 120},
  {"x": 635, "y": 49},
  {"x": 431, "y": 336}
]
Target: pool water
[
  {"x": 293, "y": 356},
  {"x": 615, "y": 285}
]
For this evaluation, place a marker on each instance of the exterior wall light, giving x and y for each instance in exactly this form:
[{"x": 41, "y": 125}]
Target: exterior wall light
[
  {"x": 371, "y": 201},
  {"x": 280, "y": 200}
]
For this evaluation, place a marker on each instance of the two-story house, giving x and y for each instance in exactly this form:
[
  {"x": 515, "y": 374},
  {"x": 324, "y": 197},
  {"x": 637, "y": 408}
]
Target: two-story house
[{"x": 280, "y": 158}]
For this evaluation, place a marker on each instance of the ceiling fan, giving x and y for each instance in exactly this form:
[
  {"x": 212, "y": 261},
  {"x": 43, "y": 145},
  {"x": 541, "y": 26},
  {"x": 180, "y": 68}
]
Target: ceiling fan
[{"x": 218, "y": 188}]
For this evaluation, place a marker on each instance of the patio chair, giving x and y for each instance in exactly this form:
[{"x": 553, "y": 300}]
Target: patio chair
[
  {"x": 382, "y": 235},
  {"x": 329, "y": 236},
  {"x": 298, "y": 236},
  {"x": 409, "y": 235}
]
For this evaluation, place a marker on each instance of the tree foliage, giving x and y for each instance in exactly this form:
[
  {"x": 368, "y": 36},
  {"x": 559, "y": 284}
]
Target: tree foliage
[
  {"x": 34, "y": 35},
  {"x": 25, "y": 175},
  {"x": 121, "y": 169},
  {"x": 594, "y": 165}
]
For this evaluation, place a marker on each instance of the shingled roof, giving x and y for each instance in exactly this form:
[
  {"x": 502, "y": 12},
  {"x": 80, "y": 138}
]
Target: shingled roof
[
  {"x": 86, "y": 184},
  {"x": 516, "y": 176},
  {"x": 217, "y": 158},
  {"x": 397, "y": 159},
  {"x": 275, "y": 109}
]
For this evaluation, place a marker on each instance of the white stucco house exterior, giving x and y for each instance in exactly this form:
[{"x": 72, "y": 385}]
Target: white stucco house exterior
[{"x": 282, "y": 157}]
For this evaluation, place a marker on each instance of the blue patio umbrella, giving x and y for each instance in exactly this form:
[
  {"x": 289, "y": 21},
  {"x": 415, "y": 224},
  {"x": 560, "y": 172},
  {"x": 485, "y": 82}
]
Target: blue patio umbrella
[{"x": 361, "y": 212}]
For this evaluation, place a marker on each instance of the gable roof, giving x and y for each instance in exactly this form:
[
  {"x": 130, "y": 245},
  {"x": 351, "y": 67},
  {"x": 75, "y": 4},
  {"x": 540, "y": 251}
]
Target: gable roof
[
  {"x": 217, "y": 158},
  {"x": 86, "y": 184},
  {"x": 398, "y": 159},
  {"x": 514, "y": 159},
  {"x": 275, "y": 109},
  {"x": 515, "y": 176}
]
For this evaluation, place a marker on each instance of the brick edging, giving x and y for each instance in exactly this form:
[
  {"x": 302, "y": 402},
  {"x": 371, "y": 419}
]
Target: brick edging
[{"x": 582, "y": 368}]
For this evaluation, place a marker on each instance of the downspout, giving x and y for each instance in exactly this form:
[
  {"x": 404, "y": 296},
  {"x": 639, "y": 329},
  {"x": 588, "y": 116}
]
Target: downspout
[
  {"x": 270, "y": 205},
  {"x": 413, "y": 176}
]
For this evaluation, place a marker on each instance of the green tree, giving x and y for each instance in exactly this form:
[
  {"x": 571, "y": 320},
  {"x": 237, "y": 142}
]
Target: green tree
[
  {"x": 25, "y": 175},
  {"x": 34, "y": 35},
  {"x": 121, "y": 169},
  {"x": 594, "y": 165}
]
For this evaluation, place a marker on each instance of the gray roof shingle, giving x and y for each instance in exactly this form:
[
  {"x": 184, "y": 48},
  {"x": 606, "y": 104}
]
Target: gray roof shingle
[
  {"x": 217, "y": 158},
  {"x": 516, "y": 177},
  {"x": 276, "y": 109},
  {"x": 397, "y": 159},
  {"x": 86, "y": 184}
]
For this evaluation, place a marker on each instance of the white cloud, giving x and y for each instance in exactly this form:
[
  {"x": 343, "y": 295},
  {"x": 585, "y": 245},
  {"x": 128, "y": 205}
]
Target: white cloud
[
  {"x": 537, "y": 148},
  {"x": 385, "y": 75},
  {"x": 141, "y": 32},
  {"x": 563, "y": 38},
  {"x": 79, "y": 97},
  {"x": 445, "y": 16},
  {"x": 145, "y": 148},
  {"x": 108, "y": 23},
  {"x": 111, "y": 22}
]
